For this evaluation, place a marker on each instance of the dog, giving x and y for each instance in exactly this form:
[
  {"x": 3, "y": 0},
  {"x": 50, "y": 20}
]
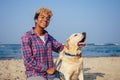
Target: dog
[{"x": 69, "y": 61}]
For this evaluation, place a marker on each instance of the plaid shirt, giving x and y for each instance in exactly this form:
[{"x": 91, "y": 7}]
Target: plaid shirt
[{"x": 36, "y": 54}]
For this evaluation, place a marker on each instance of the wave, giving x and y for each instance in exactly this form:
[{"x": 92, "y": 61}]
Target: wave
[
  {"x": 8, "y": 51},
  {"x": 103, "y": 44}
]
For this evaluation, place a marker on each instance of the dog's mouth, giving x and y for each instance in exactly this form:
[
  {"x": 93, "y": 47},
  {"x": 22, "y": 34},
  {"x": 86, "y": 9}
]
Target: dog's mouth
[{"x": 82, "y": 42}]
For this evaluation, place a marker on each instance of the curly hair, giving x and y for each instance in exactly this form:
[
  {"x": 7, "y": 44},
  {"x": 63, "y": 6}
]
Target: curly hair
[{"x": 42, "y": 11}]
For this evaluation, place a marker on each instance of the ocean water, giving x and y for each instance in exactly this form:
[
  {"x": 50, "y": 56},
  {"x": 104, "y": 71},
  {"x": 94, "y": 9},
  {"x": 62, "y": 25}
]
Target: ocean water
[{"x": 12, "y": 51}]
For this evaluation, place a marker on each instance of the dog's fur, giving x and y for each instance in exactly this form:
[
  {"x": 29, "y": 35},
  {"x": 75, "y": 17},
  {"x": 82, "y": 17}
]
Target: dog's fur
[{"x": 71, "y": 66}]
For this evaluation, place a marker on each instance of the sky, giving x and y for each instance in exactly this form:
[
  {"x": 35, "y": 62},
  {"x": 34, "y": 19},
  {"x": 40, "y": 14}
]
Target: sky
[{"x": 100, "y": 19}]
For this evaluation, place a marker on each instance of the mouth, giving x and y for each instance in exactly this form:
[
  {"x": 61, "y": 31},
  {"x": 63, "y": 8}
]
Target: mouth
[{"x": 82, "y": 42}]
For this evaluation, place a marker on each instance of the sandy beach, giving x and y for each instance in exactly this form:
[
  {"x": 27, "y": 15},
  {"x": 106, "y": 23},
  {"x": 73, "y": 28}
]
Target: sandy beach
[
  {"x": 97, "y": 68},
  {"x": 102, "y": 68}
]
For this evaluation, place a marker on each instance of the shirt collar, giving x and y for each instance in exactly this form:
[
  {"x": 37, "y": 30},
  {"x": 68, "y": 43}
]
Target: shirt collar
[{"x": 33, "y": 32}]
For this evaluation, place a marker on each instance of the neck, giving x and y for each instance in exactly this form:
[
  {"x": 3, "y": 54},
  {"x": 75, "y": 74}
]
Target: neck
[
  {"x": 39, "y": 31},
  {"x": 73, "y": 56},
  {"x": 73, "y": 50}
]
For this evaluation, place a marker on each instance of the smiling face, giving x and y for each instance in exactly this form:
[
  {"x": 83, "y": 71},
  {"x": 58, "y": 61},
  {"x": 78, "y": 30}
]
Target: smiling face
[
  {"x": 42, "y": 17},
  {"x": 43, "y": 20}
]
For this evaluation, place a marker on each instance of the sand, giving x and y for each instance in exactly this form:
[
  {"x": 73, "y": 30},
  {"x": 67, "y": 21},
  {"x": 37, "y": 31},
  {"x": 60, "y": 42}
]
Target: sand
[
  {"x": 102, "y": 68},
  {"x": 99, "y": 68}
]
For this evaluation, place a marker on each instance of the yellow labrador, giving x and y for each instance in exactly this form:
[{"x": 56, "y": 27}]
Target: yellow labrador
[{"x": 69, "y": 62}]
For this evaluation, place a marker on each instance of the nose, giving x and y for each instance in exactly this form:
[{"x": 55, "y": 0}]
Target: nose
[
  {"x": 84, "y": 33},
  {"x": 47, "y": 19}
]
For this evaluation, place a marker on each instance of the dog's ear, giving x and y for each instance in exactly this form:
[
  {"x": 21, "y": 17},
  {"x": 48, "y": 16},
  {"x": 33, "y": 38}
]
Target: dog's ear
[{"x": 67, "y": 44}]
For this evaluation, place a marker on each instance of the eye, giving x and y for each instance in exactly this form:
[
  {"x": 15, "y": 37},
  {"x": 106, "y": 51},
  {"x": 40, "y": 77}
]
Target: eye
[{"x": 75, "y": 35}]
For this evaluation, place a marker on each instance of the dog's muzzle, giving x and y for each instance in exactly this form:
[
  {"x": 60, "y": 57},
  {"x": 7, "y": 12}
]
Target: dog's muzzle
[{"x": 81, "y": 42}]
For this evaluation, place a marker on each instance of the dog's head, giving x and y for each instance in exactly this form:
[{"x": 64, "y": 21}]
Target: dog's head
[{"x": 76, "y": 41}]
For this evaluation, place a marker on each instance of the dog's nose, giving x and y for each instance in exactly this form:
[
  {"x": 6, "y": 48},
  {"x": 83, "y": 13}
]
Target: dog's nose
[{"x": 84, "y": 33}]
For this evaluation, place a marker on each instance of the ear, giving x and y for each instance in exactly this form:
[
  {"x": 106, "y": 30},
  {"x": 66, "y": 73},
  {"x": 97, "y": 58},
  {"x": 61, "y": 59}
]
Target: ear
[
  {"x": 67, "y": 44},
  {"x": 35, "y": 20}
]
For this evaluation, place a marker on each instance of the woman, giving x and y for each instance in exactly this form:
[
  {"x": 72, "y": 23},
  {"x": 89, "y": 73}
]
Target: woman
[{"x": 37, "y": 46}]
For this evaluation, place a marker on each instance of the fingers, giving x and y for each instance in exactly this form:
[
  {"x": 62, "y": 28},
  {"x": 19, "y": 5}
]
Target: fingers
[{"x": 51, "y": 71}]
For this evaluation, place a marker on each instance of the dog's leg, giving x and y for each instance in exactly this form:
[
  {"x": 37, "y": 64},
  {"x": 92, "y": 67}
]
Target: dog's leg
[
  {"x": 67, "y": 77},
  {"x": 58, "y": 61},
  {"x": 81, "y": 75}
]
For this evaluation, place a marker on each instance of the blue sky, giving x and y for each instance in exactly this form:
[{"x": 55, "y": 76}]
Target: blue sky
[{"x": 100, "y": 19}]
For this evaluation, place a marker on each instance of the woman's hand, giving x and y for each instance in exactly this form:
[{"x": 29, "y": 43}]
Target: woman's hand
[{"x": 51, "y": 71}]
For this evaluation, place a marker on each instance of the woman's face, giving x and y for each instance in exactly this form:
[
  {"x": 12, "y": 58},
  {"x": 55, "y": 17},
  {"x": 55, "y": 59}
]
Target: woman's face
[{"x": 43, "y": 20}]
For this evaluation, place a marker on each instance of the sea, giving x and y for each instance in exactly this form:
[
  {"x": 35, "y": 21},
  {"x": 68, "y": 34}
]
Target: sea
[{"x": 12, "y": 51}]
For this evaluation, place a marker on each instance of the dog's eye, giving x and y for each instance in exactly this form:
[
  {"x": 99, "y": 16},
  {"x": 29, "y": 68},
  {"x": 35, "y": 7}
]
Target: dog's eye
[{"x": 75, "y": 35}]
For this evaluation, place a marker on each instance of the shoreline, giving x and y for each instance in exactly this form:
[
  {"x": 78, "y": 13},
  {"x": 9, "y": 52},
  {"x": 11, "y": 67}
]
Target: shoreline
[
  {"x": 57, "y": 56},
  {"x": 95, "y": 68}
]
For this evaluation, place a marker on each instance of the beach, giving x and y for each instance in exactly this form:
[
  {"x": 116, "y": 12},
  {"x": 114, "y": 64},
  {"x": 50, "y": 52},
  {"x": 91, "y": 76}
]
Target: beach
[
  {"x": 102, "y": 68},
  {"x": 95, "y": 68}
]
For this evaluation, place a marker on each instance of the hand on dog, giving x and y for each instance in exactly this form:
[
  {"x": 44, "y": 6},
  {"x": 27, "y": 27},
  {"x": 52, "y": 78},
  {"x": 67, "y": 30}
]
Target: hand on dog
[{"x": 51, "y": 71}]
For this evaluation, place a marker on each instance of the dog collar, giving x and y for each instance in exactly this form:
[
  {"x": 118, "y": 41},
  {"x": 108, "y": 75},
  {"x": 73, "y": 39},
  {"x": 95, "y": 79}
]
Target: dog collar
[{"x": 68, "y": 54}]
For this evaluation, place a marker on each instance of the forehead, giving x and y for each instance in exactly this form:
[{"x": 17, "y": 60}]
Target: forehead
[
  {"x": 44, "y": 14},
  {"x": 75, "y": 35}
]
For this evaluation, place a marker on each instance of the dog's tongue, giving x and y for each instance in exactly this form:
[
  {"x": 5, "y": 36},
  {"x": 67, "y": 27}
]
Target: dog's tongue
[{"x": 81, "y": 44}]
